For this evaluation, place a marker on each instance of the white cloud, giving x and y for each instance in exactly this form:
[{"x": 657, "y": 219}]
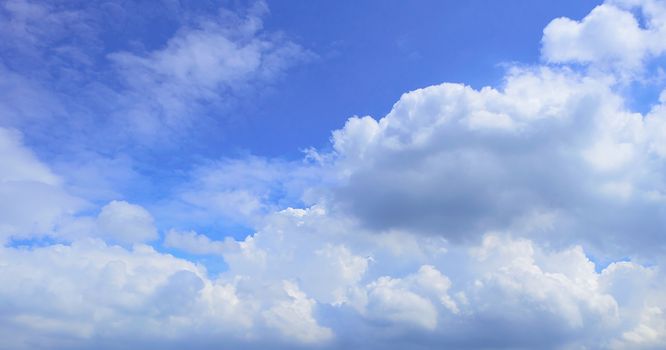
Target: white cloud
[
  {"x": 388, "y": 301},
  {"x": 61, "y": 72},
  {"x": 610, "y": 36},
  {"x": 90, "y": 293},
  {"x": 293, "y": 317},
  {"x": 208, "y": 61},
  {"x": 19, "y": 163},
  {"x": 564, "y": 284},
  {"x": 288, "y": 238},
  {"x": 64, "y": 295},
  {"x": 123, "y": 222},
  {"x": 606, "y": 34},
  {"x": 240, "y": 191},
  {"x": 36, "y": 203},
  {"x": 194, "y": 243},
  {"x": 655, "y": 122},
  {"x": 411, "y": 300},
  {"x": 32, "y": 200},
  {"x": 569, "y": 147}
]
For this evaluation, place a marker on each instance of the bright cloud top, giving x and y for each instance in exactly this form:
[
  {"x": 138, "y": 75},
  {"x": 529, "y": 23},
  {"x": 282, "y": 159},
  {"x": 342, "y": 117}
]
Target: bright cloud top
[
  {"x": 619, "y": 34},
  {"x": 527, "y": 215}
]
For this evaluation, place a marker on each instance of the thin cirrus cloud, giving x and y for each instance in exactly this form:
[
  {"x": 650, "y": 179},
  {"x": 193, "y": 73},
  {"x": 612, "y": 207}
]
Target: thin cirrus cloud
[
  {"x": 464, "y": 218},
  {"x": 202, "y": 63},
  {"x": 64, "y": 74}
]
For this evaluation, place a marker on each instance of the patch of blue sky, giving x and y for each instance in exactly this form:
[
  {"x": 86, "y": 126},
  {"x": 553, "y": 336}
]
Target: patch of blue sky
[
  {"x": 643, "y": 94},
  {"x": 214, "y": 264},
  {"x": 33, "y": 242}
]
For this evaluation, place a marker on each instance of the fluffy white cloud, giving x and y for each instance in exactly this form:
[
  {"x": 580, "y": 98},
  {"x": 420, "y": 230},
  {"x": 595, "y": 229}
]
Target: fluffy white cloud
[
  {"x": 566, "y": 146},
  {"x": 505, "y": 291},
  {"x": 607, "y": 33},
  {"x": 293, "y": 317},
  {"x": 611, "y": 36},
  {"x": 406, "y": 301},
  {"x": 120, "y": 221},
  {"x": 89, "y": 292},
  {"x": 60, "y": 296},
  {"x": 523, "y": 294},
  {"x": 564, "y": 285}
]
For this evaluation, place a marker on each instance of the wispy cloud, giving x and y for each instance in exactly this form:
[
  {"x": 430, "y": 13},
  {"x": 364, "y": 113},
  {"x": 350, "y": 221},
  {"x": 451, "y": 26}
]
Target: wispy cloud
[{"x": 138, "y": 93}]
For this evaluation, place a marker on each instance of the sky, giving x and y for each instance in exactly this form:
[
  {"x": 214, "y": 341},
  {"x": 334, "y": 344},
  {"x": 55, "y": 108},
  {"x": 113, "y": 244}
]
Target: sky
[{"x": 326, "y": 175}]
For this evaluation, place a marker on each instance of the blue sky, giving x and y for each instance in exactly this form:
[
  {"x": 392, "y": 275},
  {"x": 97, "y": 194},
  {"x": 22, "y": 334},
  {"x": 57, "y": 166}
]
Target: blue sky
[
  {"x": 370, "y": 174},
  {"x": 354, "y": 59},
  {"x": 361, "y": 58},
  {"x": 370, "y": 53}
]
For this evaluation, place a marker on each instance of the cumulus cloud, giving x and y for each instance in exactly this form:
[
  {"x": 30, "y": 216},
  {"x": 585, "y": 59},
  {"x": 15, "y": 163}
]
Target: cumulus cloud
[
  {"x": 127, "y": 223},
  {"x": 89, "y": 293},
  {"x": 618, "y": 34},
  {"x": 294, "y": 319},
  {"x": 566, "y": 146},
  {"x": 406, "y": 301},
  {"x": 117, "y": 222},
  {"x": 523, "y": 294},
  {"x": 60, "y": 296}
]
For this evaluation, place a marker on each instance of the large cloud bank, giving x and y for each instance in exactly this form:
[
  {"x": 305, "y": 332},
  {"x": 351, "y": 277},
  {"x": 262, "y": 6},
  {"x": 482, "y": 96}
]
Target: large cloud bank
[{"x": 528, "y": 215}]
